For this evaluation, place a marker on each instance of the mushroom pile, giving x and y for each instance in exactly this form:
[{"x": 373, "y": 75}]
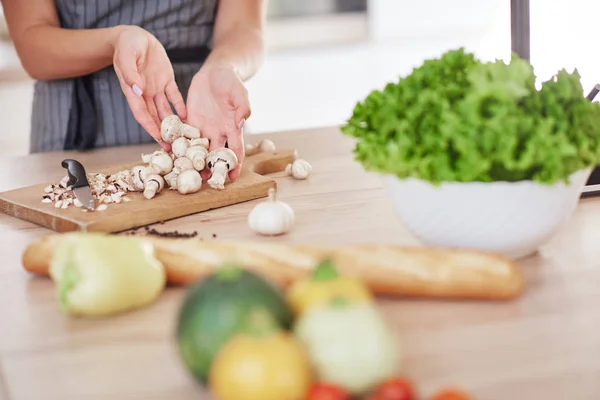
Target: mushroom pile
[{"x": 180, "y": 169}]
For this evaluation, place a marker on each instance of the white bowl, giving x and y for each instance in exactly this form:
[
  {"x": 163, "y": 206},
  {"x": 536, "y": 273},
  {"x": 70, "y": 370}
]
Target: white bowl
[{"x": 510, "y": 218}]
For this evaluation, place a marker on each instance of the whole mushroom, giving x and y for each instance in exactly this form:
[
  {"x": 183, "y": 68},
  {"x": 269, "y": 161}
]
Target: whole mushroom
[
  {"x": 160, "y": 161},
  {"x": 189, "y": 181},
  {"x": 204, "y": 142},
  {"x": 170, "y": 128},
  {"x": 189, "y": 131},
  {"x": 153, "y": 184},
  {"x": 179, "y": 146},
  {"x": 171, "y": 179},
  {"x": 139, "y": 174},
  {"x": 197, "y": 155},
  {"x": 220, "y": 161},
  {"x": 182, "y": 164},
  {"x": 179, "y": 165}
]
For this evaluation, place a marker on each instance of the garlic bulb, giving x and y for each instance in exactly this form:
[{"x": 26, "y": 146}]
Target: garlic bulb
[
  {"x": 271, "y": 217},
  {"x": 299, "y": 169}
]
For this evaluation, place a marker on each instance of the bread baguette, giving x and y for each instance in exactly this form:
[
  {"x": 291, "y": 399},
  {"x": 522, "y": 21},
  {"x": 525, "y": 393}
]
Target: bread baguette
[{"x": 386, "y": 269}]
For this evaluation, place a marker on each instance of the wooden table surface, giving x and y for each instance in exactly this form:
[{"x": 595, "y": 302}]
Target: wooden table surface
[{"x": 545, "y": 345}]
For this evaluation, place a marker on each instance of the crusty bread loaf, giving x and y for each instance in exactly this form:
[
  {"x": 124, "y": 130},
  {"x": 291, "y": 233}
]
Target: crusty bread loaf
[{"x": 386, "y": 269}]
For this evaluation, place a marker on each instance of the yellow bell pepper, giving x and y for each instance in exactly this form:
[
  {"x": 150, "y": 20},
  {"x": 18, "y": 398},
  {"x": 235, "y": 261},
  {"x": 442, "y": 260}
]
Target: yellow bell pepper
[
  {"x": 99, "y": 275},
  {"x": 261, "y": 362},
  {"x": 324, "y": 285}
]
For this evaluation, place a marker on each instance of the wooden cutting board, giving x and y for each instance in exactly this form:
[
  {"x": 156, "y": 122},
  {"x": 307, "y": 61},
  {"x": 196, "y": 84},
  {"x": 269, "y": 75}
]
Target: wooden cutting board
[{"x": 26, "y": 203}]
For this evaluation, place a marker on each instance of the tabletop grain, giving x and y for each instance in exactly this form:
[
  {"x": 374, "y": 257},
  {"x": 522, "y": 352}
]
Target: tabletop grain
[{"x": 544, "y": 345}]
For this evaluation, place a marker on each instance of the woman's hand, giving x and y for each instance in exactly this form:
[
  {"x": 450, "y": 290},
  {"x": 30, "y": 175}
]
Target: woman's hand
[
  {"x": 147, "y": 79},
  {"x": 218, "y": 105}
]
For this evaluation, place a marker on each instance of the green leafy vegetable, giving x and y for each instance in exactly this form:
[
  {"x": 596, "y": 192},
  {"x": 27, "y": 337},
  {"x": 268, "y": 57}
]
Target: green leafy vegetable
[{"x": 457, "y": 119}]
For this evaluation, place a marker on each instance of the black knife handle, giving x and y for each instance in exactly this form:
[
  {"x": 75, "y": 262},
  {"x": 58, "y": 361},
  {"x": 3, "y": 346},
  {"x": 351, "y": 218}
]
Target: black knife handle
[{"x": 76, "y": 171}]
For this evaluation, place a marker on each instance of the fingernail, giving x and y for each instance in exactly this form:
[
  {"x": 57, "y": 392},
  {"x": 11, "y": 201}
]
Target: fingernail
[
  {"x": 137, "y": 90},
  {"x": 241, "y": 124}
]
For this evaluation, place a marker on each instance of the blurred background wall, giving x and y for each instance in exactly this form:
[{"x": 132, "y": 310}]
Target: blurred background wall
[{"x": 325, "y": 55}]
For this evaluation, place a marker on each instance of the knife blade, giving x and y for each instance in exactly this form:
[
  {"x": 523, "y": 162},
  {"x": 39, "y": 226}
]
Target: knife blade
[{"x": 79, "y": 183}]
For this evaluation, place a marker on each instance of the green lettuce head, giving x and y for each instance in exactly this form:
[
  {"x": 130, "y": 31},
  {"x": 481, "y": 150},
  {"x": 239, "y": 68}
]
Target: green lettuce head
[{"x": 457, "y": 119}]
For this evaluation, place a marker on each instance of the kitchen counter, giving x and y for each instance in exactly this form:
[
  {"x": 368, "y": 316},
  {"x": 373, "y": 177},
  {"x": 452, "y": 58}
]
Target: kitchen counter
[{"x": 544, "y": 345}]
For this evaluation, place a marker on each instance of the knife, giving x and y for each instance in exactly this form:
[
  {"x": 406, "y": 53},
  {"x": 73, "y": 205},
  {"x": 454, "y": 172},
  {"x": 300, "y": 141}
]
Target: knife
[{"x": 79, "y": 183}]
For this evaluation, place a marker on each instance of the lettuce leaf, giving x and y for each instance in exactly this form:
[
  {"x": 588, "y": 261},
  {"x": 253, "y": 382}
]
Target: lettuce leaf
[{"x": 457, "y": 119}]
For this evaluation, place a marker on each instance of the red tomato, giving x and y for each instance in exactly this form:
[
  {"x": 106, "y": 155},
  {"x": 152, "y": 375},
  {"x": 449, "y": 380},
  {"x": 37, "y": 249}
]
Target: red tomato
[
  {"x": 451, "y": 394},
  {"x": 324, "y": 391},
  {"x": 394, "y": 389}
]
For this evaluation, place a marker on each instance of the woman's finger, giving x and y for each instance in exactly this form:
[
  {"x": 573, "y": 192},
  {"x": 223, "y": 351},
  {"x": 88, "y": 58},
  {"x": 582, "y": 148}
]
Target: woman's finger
[
  {"x": 175, "y": 97},
  {"x": 216, "y": 140},
  {"x": 154, "y": 114},
  {"x": 141, "y": 114},
  {"x": 125, "y": 63},
  {"x": 241, "y": 105},
  {"x": 162, "y": 106},
  {"x": 152, "y": 110},
  {"x": 138, "y": 106},
  {"x": 235, "y": 142}
]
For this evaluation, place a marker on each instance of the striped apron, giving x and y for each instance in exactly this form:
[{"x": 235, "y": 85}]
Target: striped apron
[{"x": 94, "y": 106}]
